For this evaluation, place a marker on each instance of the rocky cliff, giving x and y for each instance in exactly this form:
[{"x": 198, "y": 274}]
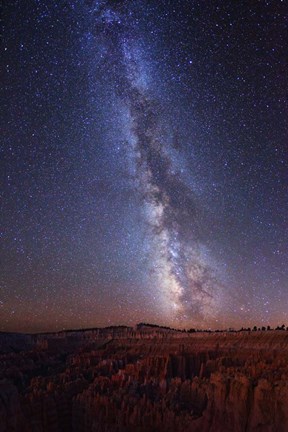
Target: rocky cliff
[{"x": 141, "y": 381}]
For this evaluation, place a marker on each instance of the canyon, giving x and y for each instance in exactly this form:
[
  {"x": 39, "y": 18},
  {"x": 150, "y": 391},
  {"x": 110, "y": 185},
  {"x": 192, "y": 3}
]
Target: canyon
[{"x": 144, "y": 379}]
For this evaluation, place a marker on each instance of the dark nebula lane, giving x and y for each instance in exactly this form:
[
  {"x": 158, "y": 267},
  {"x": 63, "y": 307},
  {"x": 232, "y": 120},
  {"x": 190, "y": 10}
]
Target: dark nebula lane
[
  {"x": 145, "y": 164},
  {"x": 185, "y": 277}
]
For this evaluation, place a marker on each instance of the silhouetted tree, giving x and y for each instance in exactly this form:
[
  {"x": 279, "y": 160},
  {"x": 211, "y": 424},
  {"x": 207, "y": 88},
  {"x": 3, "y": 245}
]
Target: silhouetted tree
[{"x": 280, "y": 328}]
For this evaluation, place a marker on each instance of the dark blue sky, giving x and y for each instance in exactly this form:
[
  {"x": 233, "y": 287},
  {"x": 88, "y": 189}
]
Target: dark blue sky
[{"x": 144, "y": 164}]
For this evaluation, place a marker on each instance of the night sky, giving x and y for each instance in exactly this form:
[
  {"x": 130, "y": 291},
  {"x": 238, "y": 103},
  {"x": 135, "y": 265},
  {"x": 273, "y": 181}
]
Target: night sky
[{"x": 144, "y": 164}]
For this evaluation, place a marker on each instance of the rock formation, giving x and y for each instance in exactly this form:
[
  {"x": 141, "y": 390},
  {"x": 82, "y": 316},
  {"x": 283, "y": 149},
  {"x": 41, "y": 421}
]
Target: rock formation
[{"x": 145, "y": 380}]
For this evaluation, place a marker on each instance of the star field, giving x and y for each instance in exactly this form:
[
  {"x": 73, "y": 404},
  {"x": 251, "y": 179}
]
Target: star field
[{"x": 144, "y": 164}]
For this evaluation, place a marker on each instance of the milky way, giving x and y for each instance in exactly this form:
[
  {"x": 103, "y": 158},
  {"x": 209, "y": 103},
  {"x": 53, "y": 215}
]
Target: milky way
[
  {"x": 184, "y": 276},
  {"x": 188, "y": 284},
  {"x": 144, "y": 175}
]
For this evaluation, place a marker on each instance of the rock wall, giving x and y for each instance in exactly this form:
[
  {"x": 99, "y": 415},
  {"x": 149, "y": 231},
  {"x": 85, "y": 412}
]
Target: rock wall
[{"x": 216, "y": 382}]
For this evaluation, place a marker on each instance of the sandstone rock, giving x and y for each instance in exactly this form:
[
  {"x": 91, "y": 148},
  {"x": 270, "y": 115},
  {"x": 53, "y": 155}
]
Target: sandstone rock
[{"x": 133, "y": 380}]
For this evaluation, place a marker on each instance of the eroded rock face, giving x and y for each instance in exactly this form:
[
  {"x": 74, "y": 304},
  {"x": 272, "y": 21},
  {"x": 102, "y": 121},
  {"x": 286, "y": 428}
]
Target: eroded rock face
[{"x": 136, "y": 381}]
